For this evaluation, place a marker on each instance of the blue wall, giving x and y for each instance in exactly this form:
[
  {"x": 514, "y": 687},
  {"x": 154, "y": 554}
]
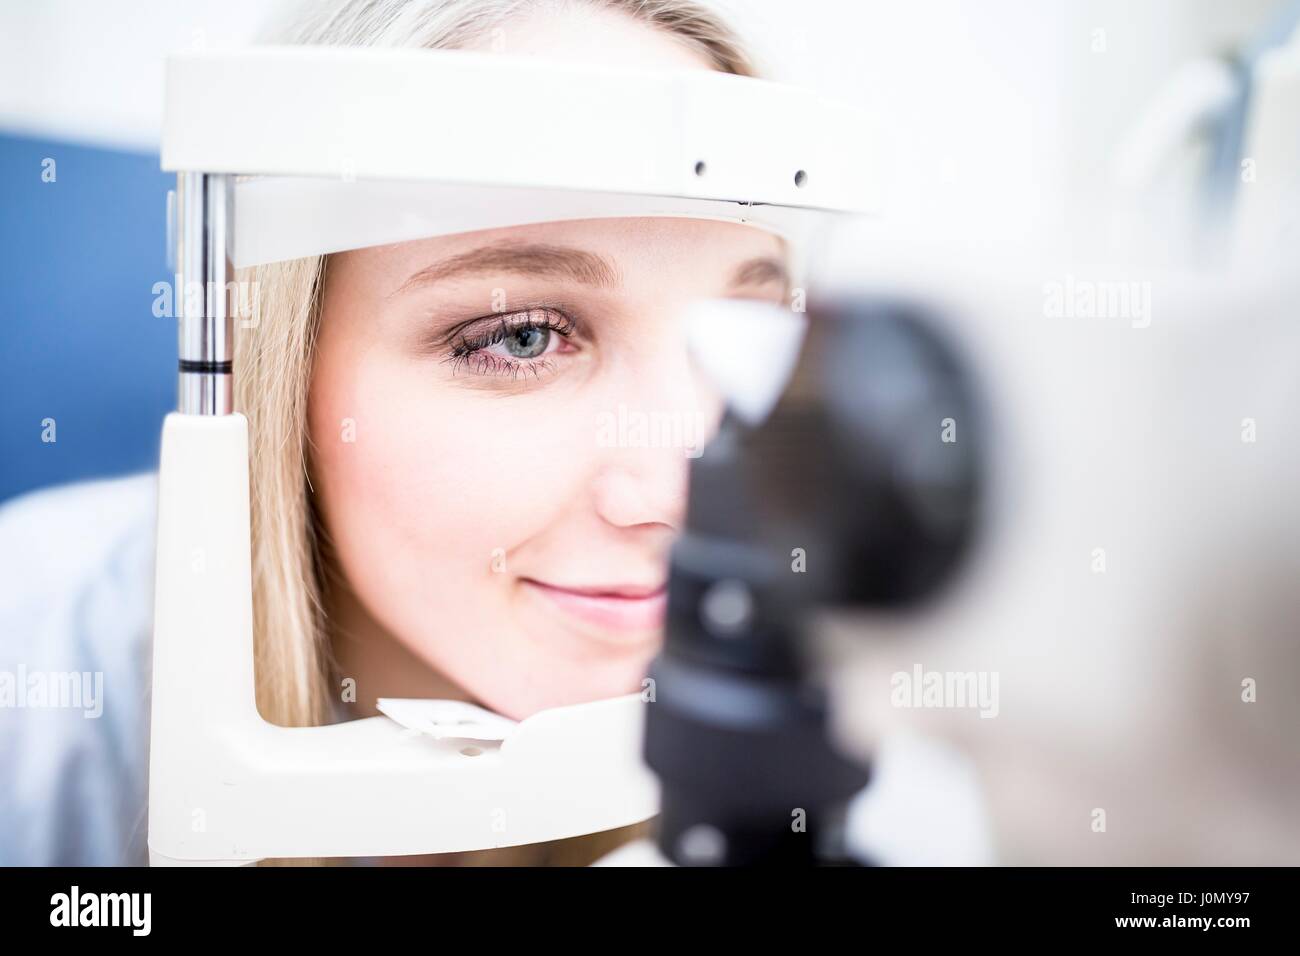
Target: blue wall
[{"x": 78, "y": 339}]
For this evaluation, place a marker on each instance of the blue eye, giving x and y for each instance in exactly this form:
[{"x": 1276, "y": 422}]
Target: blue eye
[
  {"x": 509, "y": 344},
  {"x": 528, "y": 342}
]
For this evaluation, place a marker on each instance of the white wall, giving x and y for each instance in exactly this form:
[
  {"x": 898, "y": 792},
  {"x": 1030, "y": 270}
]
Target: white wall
[{"x": 91, "y": 70}]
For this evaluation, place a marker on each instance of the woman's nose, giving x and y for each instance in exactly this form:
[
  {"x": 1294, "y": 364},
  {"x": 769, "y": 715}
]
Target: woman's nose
[
  {"x": 662, "y": 415},
  {"x": 642, "y": 491}
]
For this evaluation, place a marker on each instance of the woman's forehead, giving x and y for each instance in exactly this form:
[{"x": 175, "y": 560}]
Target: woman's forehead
[
  {"x": 609, "y": 234},
  {"x": 628, "y": 245}
]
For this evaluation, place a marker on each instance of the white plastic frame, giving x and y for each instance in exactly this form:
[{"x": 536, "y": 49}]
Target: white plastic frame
[{"x": 354, "y": 147}]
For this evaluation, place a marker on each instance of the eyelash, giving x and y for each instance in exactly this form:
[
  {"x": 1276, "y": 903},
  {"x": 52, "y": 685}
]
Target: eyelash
[{"x": 468, "y": 351}]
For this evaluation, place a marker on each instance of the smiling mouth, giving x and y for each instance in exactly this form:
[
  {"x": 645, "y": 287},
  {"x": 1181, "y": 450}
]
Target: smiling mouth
[{"x": 622, "y": 609}]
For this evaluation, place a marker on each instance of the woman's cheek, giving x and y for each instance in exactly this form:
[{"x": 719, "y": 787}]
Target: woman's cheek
[
  {"x": 438, "y": 475},
  {"x": 486, "y": 472}
]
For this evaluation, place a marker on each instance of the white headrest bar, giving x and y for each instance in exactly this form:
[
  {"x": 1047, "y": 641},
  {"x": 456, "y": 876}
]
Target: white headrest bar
[{"x": 450, "y": 116}]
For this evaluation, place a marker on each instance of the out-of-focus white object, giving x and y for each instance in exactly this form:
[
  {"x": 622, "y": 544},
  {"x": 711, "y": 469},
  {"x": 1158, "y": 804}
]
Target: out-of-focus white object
[
  {"x": 1268, "y": 208},
  {"x": 1194, "y": 97},
  {"x": 924, "y": 807},
  {"x": 1209, "y": 171},
  {"x": 746, "y": 349}
]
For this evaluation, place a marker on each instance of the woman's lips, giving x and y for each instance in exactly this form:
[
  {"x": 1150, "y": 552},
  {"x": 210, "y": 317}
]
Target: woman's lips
[{"x": 615, "y": 608}]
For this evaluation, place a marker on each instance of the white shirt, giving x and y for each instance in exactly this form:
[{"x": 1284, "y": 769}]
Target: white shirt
[{"x": 76, "y": 611}]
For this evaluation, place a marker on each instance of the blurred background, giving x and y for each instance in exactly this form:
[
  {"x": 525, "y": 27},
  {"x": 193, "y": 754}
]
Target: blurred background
[{"x": 1006, "y": 116}]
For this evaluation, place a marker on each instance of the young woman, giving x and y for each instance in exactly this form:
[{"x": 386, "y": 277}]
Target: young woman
[{"x": 435, "y": 512}]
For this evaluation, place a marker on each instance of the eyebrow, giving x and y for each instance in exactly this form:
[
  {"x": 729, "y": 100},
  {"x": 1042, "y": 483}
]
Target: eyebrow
[
  {"x": 760, "y": 271},
  {"x": 564, "y": 262}
]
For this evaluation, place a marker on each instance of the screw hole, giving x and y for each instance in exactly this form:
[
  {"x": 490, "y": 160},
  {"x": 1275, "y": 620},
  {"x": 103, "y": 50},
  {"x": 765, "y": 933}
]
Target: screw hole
[
  {"x": 700, "y": 168},
  {"x": 471, "y": 751},
  {"x": 800, "y": 178}
]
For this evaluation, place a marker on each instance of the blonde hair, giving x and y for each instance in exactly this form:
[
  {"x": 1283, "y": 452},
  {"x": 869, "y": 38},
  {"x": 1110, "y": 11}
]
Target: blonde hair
[{"x": 273, "y": 360}]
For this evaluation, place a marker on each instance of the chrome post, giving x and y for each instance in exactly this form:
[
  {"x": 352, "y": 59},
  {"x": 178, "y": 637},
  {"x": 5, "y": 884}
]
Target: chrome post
[{"x": 203, "y": 303}]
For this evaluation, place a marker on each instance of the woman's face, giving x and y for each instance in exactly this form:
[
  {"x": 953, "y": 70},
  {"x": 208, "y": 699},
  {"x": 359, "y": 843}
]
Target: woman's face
[
  {"x": 502, "y": 421},
  {"x": 501, "y": 426}
]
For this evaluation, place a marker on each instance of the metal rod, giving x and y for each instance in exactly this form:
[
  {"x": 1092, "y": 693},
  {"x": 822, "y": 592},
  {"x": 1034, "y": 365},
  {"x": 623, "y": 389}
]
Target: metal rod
[{"x": 205, "y": 342}]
